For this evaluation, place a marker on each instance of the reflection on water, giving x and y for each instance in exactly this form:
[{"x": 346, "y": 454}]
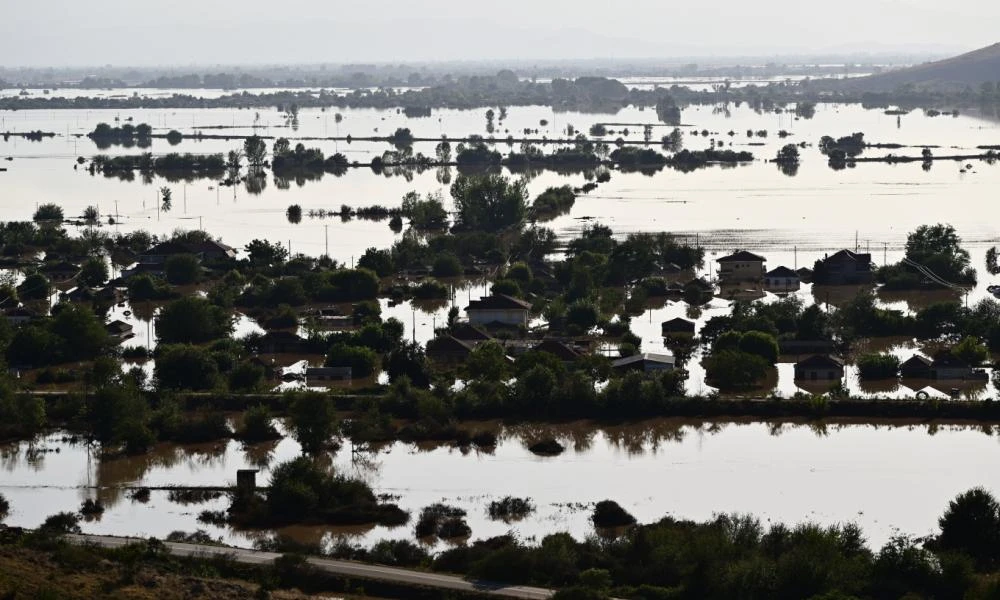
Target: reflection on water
[{"x": 828, "y": 472}]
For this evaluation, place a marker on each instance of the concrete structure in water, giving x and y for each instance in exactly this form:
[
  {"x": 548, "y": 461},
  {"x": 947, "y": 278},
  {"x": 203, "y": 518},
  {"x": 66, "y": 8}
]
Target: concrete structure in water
[{"x": 741, "y": 267}]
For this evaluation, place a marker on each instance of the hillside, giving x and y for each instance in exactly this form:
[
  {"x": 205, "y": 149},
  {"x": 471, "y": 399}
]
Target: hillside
[{"x": 970, "y": 69}]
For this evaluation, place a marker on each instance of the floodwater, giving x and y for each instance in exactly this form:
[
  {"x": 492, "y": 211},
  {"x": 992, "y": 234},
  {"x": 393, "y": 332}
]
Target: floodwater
[
  {"x": 792, "y": 221},
  {"x": 888, "y": 479}
]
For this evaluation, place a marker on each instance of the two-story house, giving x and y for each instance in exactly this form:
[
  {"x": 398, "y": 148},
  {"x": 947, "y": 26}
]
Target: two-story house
[
  {"x": 741, "y": 267},
  {"x": 844, "y": 268}
]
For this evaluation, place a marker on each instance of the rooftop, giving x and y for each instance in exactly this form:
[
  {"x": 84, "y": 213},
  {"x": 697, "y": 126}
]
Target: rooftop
[
  {"x": 498, "y": 302},
  {"x": 665, "y": 359},
  {"x": 781, "y": 272},
  {"x": 742, "y": 256},
  {"x": 818, "y": 361}
]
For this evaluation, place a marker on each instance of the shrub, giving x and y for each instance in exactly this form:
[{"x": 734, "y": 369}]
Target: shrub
[
  {"x": 506, "y": 287},
  {"x": 547, "y": 447},
  {"x": 257, "y": 426},
  {"x": 48, "y": 213},
  {"x": 91, "y": 507},
  {"x": 185, "y": 367},
  {"x": 446, "y": 265},
  {"x": 878, "y": 366},
  {"x": 582, "y": 314},
  {"x": 431, "y": 290},
  {"x": 64, "y": 522},
  {"x": 510, "y": 509},
  {"x": 182, "y": 269},
  {"x": 971, "y": 524},
  {"x": 761, "y": 344},
  {"x": 399, "y": 553},
  {"x": 362, "y": 361},
  {"x": 94, "y": 272},
  {"x": 192, "y": 320},
  {"x": 608, "y": 513},
  {"x": 442, "y": 521},
  {"x": 733, "y": 370}
]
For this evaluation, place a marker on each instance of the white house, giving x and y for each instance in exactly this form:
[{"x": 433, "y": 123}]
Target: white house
[
  {"x": 499, "y": 310},
  {"x": 782, "y": 279}
]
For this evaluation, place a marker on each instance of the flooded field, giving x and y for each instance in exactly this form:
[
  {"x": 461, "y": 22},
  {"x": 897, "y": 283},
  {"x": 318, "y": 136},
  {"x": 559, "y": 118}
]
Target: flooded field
[
  {"x": 888, "y": 479},
  {"x": 792, "y": 221}
]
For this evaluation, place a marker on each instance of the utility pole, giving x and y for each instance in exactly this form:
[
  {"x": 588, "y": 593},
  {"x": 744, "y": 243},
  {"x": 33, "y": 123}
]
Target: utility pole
[
  {"x": 326, "y": 238},
  {"x": 796, "y": 251},
  {"x": 885, "y": 253}
]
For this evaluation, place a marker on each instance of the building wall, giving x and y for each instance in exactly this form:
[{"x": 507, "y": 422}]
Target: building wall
[
  {"x": 818, "y": 374},
  {"x": 653, "y": 367},
  {"x": 507, "y": 317},
  {"x": 848, "y": 272},
  {"x": 740, "y": 271},
  {"x": 952, "y": 373},
  {"x": 782, "y": 283}
]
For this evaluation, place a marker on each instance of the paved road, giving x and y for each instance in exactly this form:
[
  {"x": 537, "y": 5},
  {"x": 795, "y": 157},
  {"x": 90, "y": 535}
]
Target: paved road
[{"x": 336, "y": 567}]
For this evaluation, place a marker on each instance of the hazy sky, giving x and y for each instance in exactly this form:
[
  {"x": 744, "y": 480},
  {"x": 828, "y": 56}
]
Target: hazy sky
[{"x": 126, "y": 32}]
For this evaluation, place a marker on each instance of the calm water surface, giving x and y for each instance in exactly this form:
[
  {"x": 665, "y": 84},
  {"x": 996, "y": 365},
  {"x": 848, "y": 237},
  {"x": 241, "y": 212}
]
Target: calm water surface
[{"x": 887, "y": 479}]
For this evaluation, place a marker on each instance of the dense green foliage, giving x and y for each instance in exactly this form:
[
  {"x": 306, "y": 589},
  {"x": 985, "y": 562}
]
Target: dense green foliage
[
  {"x": 301, "y": 491},
  {"x": 192, "y": 320},
  {"x": 488, "y": 202}
]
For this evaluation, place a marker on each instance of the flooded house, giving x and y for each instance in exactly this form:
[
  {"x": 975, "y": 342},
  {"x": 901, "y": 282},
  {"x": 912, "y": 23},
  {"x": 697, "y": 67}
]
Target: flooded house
[
  {"x": 560, "y": 350},
  {"x": 647, "y": 362},
  {"x": 19, "y": 315},
  {"x": 819, "y": 367},
  {"x": 948, "y": 367},
  {"x": 447, "y": 349},
  {"x": 782, "y": 279},
  {"x": 741, "y": 267},
  {"x": 468, "y": 332},
  {"x": 677, "y": 328},
  {"x": 282, "y": 342},
  {"x": 844, "y": 268},
  {"x": 499, "y": 309},
  {"x": 119, "y": 331},
  {"x": 916, "y": 367},
  {"x": 60, "y": 271}
]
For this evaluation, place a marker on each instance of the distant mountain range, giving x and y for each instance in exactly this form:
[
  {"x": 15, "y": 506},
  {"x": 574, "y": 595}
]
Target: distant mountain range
[{"x": 969, "y": 69}]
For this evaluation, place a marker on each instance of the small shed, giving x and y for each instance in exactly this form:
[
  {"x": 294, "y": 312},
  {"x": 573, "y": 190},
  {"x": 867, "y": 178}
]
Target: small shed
[
  {"x": 677, "y": 328},
  {"x": 819, "y": 367},
  {"x": 916, "y": 367},
  {"x": 782, "y": 279},
  {"x": 119, "y": 330}
]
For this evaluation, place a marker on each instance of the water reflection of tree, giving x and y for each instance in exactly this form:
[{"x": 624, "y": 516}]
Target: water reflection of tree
[
  {"x": 255, "y": 181},
  {"x": 260, "y": 455},
  {"x": 443, "y": 175},
  {"x": 114, "y": 472}
]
